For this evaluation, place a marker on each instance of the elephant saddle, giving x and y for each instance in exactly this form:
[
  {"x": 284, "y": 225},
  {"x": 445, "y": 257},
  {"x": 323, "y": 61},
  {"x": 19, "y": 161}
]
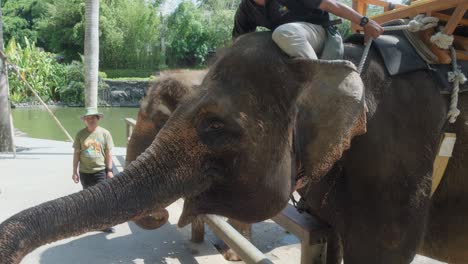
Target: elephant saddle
[{"x": 403, "y": 52}]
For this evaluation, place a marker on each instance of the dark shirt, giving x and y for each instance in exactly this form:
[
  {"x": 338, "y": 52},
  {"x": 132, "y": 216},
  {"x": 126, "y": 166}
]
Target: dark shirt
[{"x": 275, "y": 13}]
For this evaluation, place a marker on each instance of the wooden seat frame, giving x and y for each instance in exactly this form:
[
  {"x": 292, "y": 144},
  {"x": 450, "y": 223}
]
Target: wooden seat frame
[{"x": 428, "y": 7}]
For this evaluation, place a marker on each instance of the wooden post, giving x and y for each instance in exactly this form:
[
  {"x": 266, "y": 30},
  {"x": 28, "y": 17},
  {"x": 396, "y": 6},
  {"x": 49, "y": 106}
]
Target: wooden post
[
  {"x": 198, "y": 230},
  {"x": 130, "y": 123},
  {"x": 444, "y": 153},
  {"x": 416, "y": 8},
  {"x": 309, "y": 230},
  {"x": 445, "y": 17},
  {"x": 361, "y": 7},
  {"x": 442, "y": 55},
  {"x": 313, "y": 253},
  {"x": 455, "y": 18}
]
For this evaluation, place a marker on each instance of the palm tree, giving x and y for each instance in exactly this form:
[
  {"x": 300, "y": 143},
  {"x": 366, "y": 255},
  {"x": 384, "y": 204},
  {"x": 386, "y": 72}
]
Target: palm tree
[
  {"x": 91, "y": 51},
  {"x": 6, "y": 131}
]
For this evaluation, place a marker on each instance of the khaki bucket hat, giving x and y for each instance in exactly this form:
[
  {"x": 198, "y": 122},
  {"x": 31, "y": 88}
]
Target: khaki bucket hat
[{"x": 92, "y": 111}]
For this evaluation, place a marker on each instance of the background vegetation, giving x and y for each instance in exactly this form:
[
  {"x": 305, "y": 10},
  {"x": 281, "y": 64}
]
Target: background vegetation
[{"x": 137, "y": 39}]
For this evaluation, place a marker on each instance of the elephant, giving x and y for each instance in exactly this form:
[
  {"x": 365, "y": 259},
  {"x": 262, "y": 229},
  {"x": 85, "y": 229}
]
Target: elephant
[
  {"x": 155, "y": 109},
  {"x": 261, "y": 125},
  {"x": 444, "y": 233}
]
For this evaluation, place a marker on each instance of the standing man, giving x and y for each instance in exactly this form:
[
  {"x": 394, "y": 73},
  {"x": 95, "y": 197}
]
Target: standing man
[{"x": 93, "y": 145}]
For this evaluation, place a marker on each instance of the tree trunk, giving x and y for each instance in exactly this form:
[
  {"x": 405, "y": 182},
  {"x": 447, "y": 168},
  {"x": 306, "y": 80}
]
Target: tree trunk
[
  {"x": 91, "y": 50},
  {"x": 6, "y": 129},
  {"x": 162, "y": 62}
]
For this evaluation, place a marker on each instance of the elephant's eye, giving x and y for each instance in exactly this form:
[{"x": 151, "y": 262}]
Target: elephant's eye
[
  {"x": 216, "y": 132},
  {"x": 214, "y": 126}
]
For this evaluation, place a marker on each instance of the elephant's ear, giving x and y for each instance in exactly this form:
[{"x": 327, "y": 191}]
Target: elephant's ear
[{"x": 331, "y": 111}]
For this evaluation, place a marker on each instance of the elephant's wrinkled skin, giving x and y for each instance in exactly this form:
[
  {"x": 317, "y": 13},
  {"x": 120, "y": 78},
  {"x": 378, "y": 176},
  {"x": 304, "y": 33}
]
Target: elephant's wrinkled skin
[{"x": 227, "y": 149}]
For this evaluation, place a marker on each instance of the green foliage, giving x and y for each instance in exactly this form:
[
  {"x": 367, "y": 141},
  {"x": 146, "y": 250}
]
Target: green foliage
[
  {"x": 73, "y": 92},
  {"x": 194, "y": 31},
  {"x": 51, "y": 80},
  {"x": 20, "y": 18},
  {"x": 129, "y": 29},
  {"x": 188, "y": 38},
  {"x": 128, "y": 73},
  {"x": 152, "y": 77},
  {"x": 16, "y": 98},
  {"x": 219, "y": 28},
  {"x": 63, "y": 31},
  {"x": 406, "y": 2},
  {"x": 40, "y": 69},
  {"x": 129, "y": 34},
  {"x": 132, "y": 34},
  {"x": 344, "y": 29}
]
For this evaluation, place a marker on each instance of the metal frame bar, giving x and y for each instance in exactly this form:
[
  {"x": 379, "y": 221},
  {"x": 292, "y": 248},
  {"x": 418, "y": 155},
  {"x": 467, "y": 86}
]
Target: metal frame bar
[{"x": 248, "y": 252}]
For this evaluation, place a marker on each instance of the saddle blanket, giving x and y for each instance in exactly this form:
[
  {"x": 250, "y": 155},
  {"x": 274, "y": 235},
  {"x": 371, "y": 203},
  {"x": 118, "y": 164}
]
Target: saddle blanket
[{"x": 401, "y": 57}]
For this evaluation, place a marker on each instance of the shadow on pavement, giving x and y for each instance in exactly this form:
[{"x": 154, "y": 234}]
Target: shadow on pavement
[{"x": 140, "y": 246}]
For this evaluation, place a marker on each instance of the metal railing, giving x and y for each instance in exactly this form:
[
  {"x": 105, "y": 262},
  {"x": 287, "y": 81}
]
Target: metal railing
[{"x": 246, "y": 250}]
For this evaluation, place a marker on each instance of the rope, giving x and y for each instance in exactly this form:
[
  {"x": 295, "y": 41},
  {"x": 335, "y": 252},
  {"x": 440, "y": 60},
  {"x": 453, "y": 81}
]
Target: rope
[
  {"x": 457, "y": 77},
  {"x": 15, "y": 69},
  {"x": 442, "y": 40},
  {"x": 364, "y": 55},
  {"x": 420, "y": 22}
]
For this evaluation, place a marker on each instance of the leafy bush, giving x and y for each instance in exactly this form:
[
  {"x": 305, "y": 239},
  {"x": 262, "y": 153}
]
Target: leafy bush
[
  {"x": 51, "y": 80},
  {"x": 131, "y": 31},
  {"x": 40, "y": 69},
  {"x": 188, "y": 38},
  {"x": 128, "y": 73},
  {"x": 16, "y": 98},
  {"x": 73, "y": 92},
  {"x": 20, "y": 18},
  {"x": 62, "y": 32}
]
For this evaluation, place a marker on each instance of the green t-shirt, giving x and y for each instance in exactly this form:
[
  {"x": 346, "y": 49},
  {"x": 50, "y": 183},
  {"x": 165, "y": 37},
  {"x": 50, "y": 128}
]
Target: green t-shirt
[{"x": 93, "y": 147}]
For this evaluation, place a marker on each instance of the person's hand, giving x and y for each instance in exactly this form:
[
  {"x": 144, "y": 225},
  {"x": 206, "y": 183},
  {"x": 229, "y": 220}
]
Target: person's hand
[
  {"x": 372, "y": 30},
  {"x": 76, "y": 177},
  {"x": 110, "y": 175}
]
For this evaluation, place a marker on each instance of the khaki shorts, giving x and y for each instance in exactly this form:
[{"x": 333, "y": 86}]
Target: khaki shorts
[{"x": 300, "y": 39}]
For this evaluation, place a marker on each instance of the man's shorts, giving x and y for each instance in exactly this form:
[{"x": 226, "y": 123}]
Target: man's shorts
[{"x": 90, "y": 179}]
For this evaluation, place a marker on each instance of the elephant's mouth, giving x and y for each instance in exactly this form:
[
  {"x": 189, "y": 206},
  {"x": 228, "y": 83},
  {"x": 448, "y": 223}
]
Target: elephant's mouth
[{"x": 154, "y": 220}]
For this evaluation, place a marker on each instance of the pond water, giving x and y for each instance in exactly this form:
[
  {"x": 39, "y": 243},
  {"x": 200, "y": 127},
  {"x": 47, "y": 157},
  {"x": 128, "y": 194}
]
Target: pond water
[{"x": 37, "y": 123}]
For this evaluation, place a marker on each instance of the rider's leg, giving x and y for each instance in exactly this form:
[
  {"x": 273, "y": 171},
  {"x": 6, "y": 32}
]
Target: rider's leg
[{"x": 300, "y": 39}]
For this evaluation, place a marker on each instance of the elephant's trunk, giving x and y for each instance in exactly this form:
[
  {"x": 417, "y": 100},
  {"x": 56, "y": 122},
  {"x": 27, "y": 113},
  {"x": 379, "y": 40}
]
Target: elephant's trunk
[
  {"x": 143, "y": 135},
  {"x": 145, "y": 185}
]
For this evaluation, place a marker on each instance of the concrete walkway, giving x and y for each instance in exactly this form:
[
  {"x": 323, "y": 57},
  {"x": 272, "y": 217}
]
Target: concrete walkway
[{"x": 42, "y": 171}]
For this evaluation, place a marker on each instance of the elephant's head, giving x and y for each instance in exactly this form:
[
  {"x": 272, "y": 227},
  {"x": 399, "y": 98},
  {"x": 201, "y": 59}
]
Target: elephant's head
[
  {"x": 162, "y": 99},
  {"x": 227, "y": 149}
]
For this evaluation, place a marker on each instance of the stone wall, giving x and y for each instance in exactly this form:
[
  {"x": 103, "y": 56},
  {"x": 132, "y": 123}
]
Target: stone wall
[{"x": 123, "y": 93}]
